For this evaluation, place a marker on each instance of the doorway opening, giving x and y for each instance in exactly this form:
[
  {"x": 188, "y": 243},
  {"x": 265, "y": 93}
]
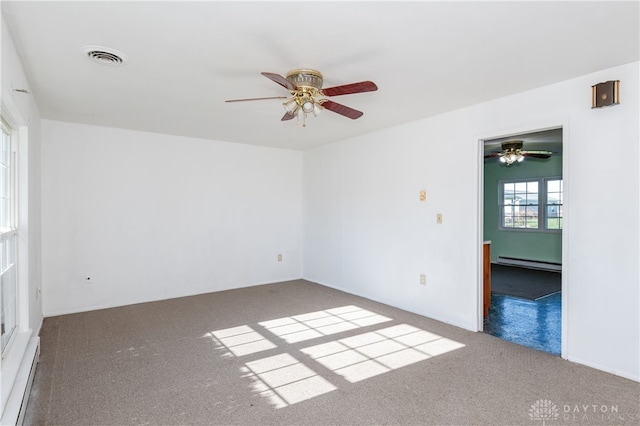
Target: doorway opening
[{"x": 523, "y": 199}]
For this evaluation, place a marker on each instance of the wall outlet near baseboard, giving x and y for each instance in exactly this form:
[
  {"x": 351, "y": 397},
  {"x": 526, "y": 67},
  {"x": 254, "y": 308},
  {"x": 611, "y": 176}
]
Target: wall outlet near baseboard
[
  {"x": 279, "y": 258},
  {"x": 423, "y": 279}
]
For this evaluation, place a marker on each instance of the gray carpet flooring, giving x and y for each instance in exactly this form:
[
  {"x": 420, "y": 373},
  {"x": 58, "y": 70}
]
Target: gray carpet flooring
[{"x": 298, "y": 353}]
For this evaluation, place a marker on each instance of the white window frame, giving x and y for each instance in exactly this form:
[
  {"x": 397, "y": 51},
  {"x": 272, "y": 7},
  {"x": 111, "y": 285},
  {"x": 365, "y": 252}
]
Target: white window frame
[
  {"x": 22, "y": 343},
  {"x": 546, "y": 202},
  {"x": 10, "y": 232},
  {"x": 541, "y": 206}
]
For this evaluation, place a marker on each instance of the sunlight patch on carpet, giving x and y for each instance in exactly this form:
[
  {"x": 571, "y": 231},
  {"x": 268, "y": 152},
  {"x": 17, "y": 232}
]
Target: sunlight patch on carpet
[
  {"x": 303, "y": 327},
  {"x": 242, "y": 340},
  {"x": 283, "y": 380},
  {"x": 370, "y": 354}
]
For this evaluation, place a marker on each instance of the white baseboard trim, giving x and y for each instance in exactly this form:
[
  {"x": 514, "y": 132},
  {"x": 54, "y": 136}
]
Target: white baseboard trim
[
  {"x": 464, "y": 326},
  {"x": 625, "y": 374}
]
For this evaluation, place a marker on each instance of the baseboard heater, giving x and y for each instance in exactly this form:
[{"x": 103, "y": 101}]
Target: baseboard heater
[
  {"x": 33, "y": 350},
  {"x": 16, "y": 406},
  {"x": 527, "y": 263}
]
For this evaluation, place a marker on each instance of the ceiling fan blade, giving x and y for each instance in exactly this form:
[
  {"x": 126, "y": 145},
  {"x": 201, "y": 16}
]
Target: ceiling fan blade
[
  {"x": 341, "y": 109},
  {"x": 347, "y": 89},
  {"x": 256, "y": 99},
  {"x": 280, "y": 80},
  {"x": 287, "y": 116},
  {"x": 493, "y": 155},
  {"x": 539, "y": 154}
]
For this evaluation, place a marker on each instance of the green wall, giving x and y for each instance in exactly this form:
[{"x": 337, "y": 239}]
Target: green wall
[{"x": 545, "y": 246}]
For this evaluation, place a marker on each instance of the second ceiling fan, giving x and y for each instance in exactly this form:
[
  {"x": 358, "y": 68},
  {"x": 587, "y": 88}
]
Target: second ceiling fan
[
  {"x": 308, "y": 97},
  {"x": 512, "y": 152}
]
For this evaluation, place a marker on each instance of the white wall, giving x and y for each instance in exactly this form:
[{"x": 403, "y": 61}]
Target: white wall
[
  {"x": 151, "y": 216},
  {"x": 366, "y": 232}
]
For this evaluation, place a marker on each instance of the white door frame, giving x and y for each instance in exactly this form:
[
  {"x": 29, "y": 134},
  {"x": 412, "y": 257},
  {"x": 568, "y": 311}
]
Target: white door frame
[{"x": 479, "y": 142}]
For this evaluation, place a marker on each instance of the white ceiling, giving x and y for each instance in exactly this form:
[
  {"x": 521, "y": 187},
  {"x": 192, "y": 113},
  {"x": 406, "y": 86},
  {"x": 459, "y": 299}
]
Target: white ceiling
[{"x": 187, "y": 58}]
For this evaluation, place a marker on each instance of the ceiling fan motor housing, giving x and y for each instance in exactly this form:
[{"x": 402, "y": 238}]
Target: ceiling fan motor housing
[
  {"x": 512, "y": 145},
  {"x": 305, "y": 79}
]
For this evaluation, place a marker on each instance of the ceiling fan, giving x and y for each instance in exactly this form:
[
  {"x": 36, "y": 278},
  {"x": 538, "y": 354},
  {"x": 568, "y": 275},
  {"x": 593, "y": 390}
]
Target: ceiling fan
[
  {"x": 512, "y": 152},
  {"x": 308, "y": 97}
]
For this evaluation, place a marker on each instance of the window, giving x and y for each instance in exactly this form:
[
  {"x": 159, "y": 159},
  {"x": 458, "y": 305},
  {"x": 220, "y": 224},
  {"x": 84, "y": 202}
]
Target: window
[
  {"x": 531, "y": 204},
  {"x": 554, "y": 204},
  {"x": 8, "y": 238},
  {"x": 18, "y": 345}
]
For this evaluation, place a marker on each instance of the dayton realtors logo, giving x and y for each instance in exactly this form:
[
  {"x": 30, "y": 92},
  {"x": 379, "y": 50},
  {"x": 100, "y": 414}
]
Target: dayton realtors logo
[
  {"x": 544, "y": 410},
  {"x": 595, "y": 412}
]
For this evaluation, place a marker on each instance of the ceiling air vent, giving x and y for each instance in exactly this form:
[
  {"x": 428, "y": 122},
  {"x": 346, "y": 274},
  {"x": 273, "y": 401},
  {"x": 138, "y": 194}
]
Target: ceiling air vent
[{"x": 105, "y": 55}]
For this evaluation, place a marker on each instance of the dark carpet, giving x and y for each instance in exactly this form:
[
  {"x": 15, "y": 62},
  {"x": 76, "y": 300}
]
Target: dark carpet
[{"x": 526, "y": 283}]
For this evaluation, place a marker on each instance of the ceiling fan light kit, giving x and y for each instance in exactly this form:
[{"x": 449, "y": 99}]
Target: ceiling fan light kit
[
  {"x": 307, "y": 95},
  {"x": 512, "y": 157}
]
